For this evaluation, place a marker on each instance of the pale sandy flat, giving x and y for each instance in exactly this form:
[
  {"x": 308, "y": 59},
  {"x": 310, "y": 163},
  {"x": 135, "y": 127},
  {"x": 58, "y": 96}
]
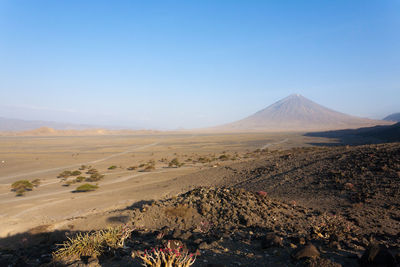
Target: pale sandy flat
[{"x": 56, "y": 207}]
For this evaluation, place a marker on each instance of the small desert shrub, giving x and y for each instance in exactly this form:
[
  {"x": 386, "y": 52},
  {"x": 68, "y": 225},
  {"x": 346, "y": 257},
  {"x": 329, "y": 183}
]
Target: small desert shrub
[
  {"x": 149, "y": 168},
  {"x": 82, "y": 167},
  {"x": 175, "y": 163},
  {"x": 92, "y": 244},
  {"x": 167, "y": 256},
  {"x": 36, "y": 182},
  {"x": 65, "y": 174},
  {"x": 21, "y": 186},
  {"x": 86, "y": 188},
  {"x": 80, "y": 179},
  {"x": 328, "y": 226},
  {"x": 112, "y": 167},
  {"x": 142, "y": 165},
  {"x": 94, "y": 177},
  {"x": 92, "y": 171},
  {"x": 75, "y": 173},
  {"x": 132, "y": 168},
  {"x": 262, "y": 193},
  {"x": 223, "y": 157},
  {"x": 203, "y": 160}
]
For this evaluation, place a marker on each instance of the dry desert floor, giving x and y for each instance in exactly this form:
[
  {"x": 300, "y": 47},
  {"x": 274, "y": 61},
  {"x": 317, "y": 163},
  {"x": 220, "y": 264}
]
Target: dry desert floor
[{"x": 54, "y": 206}]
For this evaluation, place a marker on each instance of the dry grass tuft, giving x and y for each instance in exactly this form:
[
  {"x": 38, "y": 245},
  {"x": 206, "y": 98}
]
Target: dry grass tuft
[{"x": 92, "y": 244}]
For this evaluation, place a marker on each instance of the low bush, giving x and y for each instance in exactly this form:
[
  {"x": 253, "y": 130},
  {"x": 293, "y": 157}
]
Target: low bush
[
  {"x": 92, "y": 171},
  {"x": 21, "y": 186},
  {"x": 86, "y": 188},
  {"x": 175, "y": 163},
  {"x": 203, "y": 160},
  {"x": 65, "y": 174},
  {"x": 82, "y": 167},
  {"x": 132, "y": 168},
  {"x": 328, "y": 226},
  {"x": 223, "y": 157},
  {"x": 75, "y": 173},
  {"x": 112, "y": 167},
  {"x": 149, "y": 168},
  {"x": 80, "y": 179},
  {"x": 36, "y": 182},
  {"x": 94, "y": 177}
]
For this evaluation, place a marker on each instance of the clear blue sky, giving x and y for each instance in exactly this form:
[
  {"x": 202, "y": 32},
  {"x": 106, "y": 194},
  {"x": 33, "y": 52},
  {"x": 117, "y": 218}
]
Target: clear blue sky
[{"x": 168, "y": 64}]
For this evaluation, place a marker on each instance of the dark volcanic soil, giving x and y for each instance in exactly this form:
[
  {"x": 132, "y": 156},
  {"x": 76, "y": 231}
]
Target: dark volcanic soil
[
  {"x": 304, "y": 207},
  {"x": 360, "y": 183}
]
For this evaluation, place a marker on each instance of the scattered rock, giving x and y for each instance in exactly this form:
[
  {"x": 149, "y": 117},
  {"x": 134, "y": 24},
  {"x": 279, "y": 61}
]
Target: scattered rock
[
  {"x": 271, "y": 240},
  {"x": 320, "y": 262},
  {"x": 203, "y": 245},
  {"x": 377, "y": 255},
  {"x": 308, "y": 251}
]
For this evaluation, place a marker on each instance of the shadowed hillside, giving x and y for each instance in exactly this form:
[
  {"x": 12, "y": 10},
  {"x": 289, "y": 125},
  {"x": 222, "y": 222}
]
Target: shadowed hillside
[
  {"x": 367, "y": 135},
  {"x": 393, "y": 117}
]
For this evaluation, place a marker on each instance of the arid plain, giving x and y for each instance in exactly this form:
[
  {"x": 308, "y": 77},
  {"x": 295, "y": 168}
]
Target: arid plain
[{"x": 53, "y": 205}]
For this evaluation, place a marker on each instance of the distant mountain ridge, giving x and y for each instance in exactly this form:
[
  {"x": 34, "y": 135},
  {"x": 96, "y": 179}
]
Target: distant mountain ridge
[
  {"x": 7, "y": 124},
  {"x": 297, "y": 113},
  {"x": 47, "y": 131},
  {"x": 393, "y": 117}
]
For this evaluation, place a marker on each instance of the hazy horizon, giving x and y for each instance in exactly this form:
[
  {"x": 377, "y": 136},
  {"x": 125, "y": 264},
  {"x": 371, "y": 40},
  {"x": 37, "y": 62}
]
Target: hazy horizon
[{"x": 172, "y": 64}]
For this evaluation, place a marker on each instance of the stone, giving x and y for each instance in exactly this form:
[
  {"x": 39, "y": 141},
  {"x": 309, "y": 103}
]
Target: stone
[
  {"x": 203, "y": 245},
  {"x": 177, "y": 233},
  {"x": 271, "y": 240},
  {"x": 186, "y": 235},
  {"x": 307, "y": 251},
  {"x": 377, "y": 255}
]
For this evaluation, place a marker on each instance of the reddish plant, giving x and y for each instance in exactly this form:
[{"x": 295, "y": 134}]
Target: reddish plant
[
  {"x": 262, "y": 193},
  {"x": 157, "y": 257}
]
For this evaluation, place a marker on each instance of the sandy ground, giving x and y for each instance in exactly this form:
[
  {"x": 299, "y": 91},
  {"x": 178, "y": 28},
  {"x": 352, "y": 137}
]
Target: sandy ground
[{"x": 54, "y": 206}]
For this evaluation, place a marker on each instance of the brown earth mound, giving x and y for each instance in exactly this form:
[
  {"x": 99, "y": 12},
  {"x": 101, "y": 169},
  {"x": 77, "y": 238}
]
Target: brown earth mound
[
  {"x": 221, "y": 209},
  {"x": 236, "y": 227}
]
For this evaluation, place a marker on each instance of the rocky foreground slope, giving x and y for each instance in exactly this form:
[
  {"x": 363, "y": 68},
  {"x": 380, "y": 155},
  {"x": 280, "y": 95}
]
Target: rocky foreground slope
[{"x": 336, "y": 206}]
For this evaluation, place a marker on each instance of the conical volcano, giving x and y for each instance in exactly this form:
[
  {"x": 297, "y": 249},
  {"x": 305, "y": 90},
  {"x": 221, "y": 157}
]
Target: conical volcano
[{"x": 297, "y": 113}]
